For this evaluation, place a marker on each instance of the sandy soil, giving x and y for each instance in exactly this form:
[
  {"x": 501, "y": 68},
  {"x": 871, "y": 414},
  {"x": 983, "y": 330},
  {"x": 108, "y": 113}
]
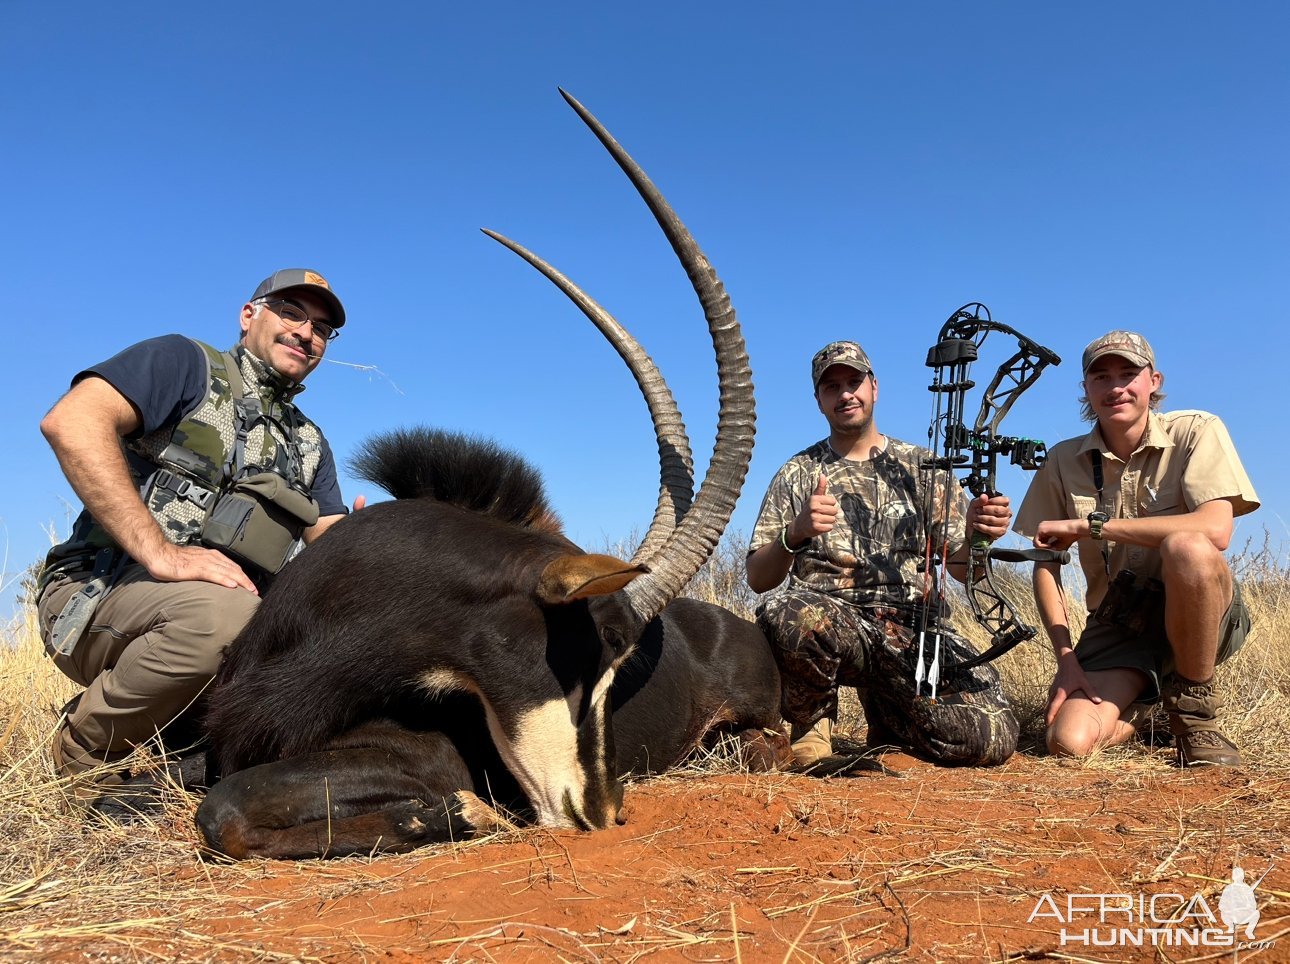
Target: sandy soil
[{"x": 927, "y": 865}]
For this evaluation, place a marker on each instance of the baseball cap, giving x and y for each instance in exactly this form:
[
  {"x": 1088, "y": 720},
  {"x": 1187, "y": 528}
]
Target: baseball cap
[
  {"x": 303, "y": 278},
  {"x": 1126, "y": 344},
  {"x": 839, "y": 353}
]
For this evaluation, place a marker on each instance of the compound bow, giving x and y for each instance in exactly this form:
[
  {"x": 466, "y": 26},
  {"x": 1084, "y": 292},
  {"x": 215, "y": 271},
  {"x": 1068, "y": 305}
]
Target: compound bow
[{"x": 954, "y": 446}]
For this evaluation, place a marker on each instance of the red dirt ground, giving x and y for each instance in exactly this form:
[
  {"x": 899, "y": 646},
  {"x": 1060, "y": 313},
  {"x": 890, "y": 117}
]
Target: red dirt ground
[{"x": 933, "y": 865}]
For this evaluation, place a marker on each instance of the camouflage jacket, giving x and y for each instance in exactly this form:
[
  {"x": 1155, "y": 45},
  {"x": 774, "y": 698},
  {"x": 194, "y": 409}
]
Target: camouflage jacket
[{"x": 878, "y": 551}]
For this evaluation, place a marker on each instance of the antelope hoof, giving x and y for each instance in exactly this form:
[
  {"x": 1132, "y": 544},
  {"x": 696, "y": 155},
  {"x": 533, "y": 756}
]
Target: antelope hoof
[
  {"x": 762, "y": 751},
  {"x": 482, "y": 818}
]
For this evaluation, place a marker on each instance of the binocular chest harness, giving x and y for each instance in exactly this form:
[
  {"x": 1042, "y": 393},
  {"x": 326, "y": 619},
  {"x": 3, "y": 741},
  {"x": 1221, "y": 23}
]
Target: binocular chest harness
[{"x": 198, "y": 485}]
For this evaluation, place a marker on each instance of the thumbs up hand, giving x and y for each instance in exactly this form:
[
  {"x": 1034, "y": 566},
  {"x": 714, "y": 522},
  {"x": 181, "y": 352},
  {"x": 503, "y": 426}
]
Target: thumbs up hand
[{"x": 817, "y": 517}]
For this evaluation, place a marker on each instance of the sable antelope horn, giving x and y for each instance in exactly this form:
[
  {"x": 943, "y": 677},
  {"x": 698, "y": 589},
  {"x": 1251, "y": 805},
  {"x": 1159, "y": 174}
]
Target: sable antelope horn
[
  {"x": 698, "y": 533},
  {"x": 676, "y": 462},
  {"x": 691, "y": 542}
]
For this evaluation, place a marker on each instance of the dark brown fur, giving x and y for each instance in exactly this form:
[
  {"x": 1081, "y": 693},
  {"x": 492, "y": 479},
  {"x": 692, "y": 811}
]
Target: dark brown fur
[{"x": 321, "y": 716}]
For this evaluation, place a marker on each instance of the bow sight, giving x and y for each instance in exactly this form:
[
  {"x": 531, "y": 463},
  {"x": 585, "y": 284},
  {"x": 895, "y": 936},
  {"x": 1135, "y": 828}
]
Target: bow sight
[{"x": 954, "y": 446}]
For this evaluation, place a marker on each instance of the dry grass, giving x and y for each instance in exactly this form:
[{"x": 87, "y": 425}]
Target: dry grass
[
  {"x": 136, "y": 893},
  {"x": 1254, "y": 683},
  {"x": 47, "y": 857}
]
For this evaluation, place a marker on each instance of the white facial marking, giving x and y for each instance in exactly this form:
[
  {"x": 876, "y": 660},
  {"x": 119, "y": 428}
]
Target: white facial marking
[
  {"x": 599, "y": 694},
  {"x": 544, "y": 758}
]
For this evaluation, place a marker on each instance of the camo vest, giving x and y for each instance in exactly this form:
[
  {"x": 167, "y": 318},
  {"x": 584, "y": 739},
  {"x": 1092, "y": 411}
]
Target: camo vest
[{"x": 182, "y": 470}]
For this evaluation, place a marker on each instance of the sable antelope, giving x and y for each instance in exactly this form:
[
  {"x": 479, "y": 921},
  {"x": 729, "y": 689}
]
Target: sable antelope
[{"x": 452, "y": 644}]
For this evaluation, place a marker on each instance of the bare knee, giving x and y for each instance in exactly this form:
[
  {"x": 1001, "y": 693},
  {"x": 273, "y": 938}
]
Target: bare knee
[
  {"x": 1066, "y": 738},
  {"x": 1191, "y": 557},
  {"x": 1080, "y": 730}
]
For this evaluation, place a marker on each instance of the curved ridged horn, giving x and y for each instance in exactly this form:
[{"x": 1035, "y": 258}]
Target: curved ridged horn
[
  {"x": 692, "y": 542},
  {"x": 676, "y": 463}
]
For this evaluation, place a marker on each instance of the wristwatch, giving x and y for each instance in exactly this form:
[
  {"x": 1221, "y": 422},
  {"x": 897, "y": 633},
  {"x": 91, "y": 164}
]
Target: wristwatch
[{"x": 1095, "y": 522}]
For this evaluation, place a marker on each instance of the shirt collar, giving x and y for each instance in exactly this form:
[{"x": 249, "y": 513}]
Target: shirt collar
[
  {"x": 262, "y": 378},
  {"x": 1155, "y": 437}
]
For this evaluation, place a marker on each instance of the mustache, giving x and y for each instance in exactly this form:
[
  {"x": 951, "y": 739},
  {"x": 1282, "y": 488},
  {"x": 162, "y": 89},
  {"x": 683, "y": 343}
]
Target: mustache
[{"x": 300, "y": 346}]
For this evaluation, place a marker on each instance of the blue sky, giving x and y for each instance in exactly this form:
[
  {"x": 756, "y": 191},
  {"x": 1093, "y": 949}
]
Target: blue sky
[{"x": 853, "y": 170}]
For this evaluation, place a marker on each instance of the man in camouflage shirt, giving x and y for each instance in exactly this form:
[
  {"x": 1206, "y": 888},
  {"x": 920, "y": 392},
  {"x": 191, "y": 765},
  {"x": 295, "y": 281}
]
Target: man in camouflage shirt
[
  {"x": 853, "y": 521},
  {"x": 148, "y": 646}
]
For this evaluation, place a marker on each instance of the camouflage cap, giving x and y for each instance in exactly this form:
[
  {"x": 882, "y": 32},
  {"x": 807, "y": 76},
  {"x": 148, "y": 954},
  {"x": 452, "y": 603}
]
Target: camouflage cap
[
  {"x": 303, "y": 278},
  {"x": 1126, "y": 344},
  {"x": 839, "y": 353}
]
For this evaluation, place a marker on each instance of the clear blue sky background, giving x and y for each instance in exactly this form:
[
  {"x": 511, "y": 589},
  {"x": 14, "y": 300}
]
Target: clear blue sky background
[{"x": 853, "y": 170}]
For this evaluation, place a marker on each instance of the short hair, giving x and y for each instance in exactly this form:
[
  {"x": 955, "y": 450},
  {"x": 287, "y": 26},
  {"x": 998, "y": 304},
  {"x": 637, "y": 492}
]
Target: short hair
[{"x": 259, "y": 304}]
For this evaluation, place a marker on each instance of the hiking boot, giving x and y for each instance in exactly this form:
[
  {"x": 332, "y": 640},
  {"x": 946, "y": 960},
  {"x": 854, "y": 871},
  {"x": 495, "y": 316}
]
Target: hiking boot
[
  {"x": 813, "y": 745},
  {"x": 1139, "y": 715},
  {"x": 86, "y": 781},
  {"x": 1193, "y": 720},
  {"x": 1149, "y": 723}
]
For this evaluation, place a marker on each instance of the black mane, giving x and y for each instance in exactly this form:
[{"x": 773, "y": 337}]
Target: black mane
[{"x": 466, "y": 471}]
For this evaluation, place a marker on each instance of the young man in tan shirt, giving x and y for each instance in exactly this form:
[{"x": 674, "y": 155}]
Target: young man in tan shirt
[{"x": 1150, "y": 499}]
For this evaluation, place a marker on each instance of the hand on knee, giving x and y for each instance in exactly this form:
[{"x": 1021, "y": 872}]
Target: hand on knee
[{"x": 1080, "y": 731}]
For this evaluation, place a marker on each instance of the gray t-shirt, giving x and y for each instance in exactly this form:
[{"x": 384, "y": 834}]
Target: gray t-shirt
[{"x": 877, "y": 553}]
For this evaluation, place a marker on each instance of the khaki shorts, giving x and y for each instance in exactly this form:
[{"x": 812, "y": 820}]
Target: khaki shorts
[{"x": 1102, "y": 646}]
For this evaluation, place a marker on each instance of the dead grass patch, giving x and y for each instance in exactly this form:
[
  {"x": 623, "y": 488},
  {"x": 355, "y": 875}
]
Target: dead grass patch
[{"x": 714, "y": 864}]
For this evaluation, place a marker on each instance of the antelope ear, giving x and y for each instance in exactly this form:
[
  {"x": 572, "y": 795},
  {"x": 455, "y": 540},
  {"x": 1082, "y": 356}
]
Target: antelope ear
[{"x": 570, "y": 578}]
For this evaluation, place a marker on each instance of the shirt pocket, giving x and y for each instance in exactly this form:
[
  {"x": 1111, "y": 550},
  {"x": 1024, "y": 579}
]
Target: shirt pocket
[
  {"x": 1082, "y": 506},
  {"x": 1165, "y": 501}
]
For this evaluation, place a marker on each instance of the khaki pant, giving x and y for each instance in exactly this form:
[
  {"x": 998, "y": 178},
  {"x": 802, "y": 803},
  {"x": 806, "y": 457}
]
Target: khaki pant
[{"x": 150, "y": 651}]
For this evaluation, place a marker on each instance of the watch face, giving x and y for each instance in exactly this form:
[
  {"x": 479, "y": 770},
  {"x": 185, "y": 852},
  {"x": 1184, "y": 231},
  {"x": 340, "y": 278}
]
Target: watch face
[{"x": 1095, "y": 520}]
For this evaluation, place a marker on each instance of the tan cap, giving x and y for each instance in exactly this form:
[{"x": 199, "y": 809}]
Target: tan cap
[
  {"x": 839, "y": 353},
  {"x": 1126, "y": 344}
]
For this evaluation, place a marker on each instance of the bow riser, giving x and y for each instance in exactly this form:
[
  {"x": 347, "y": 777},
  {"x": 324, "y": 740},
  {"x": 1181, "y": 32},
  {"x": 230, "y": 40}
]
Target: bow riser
[{"x": 956, "y": 447}]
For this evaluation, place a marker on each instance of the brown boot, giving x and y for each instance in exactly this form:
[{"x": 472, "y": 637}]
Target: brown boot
[
  {"x": 813, "y": 745},
  {"x": 85, "y": 779},
  {"x": 1193, "y": 719}
]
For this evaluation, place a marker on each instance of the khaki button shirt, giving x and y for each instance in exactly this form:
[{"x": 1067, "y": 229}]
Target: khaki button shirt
[{"x": 1185, "y": 459}]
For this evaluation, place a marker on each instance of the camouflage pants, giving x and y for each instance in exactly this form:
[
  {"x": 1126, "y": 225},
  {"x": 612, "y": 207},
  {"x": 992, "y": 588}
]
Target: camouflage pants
[{"x": 821, "y": 643}]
